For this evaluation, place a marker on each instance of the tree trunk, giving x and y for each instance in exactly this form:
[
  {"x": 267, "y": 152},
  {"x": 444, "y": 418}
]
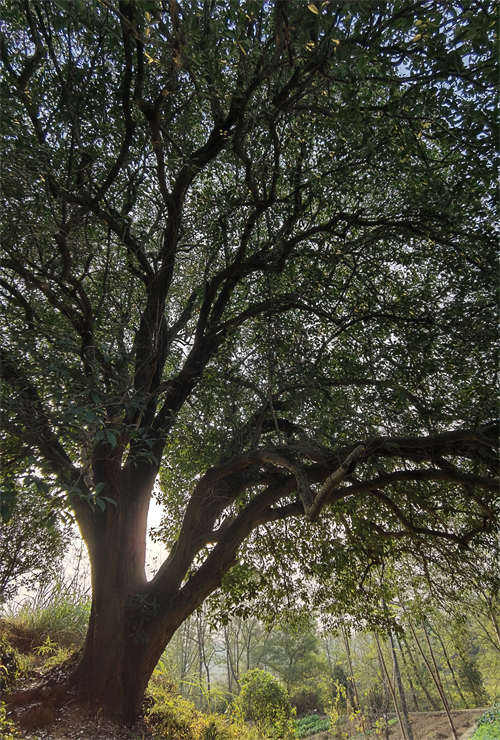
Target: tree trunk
[
  {"x": 114, "y": 670},
  {"x": 229, "y": 663},
  {"x": 495, "y": 625},
  {"x": 351, "y": 669},
  {"x": 385, "y": 673},
  {"x": 203, "y": 660},
  {"x": 399, "y": 683},
  {"x": 450, "y": 667},
  {"x": 386, "y": 691},
  {"x": 435, "y": 676},
  {"x": 125, "y": 636},
  {"x": 345, "y": 635},
  {"x": 432, "y": 702},
  {"x": 416, "y": 705}
]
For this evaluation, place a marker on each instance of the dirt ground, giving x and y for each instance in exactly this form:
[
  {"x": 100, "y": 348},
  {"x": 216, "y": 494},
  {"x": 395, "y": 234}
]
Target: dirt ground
[
  {"x": 40, "y": 720},
  {"x": 435, "y": 725}
]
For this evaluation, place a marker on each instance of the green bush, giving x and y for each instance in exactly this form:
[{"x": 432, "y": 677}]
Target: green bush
[
  {"x": 488, "y": 725},
  {"x": 264, "y": 701},
  {"x": 9, "y": 664},
  {"x": 175, "y": 718}
]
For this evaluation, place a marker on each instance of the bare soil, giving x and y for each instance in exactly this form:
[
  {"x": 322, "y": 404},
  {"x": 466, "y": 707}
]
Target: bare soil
[
  {"x": 72, "y": 722},
  {"x": 435, "y": 725}
]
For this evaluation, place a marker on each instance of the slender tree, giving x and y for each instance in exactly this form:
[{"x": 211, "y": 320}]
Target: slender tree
[
  {"x": 247, "y": 247},
  {"x": 416, "y": 706},
  {"x": 398, "y": 683},
  {"x": 453, "y": 675},
  {"x": 354, "y": 686},
  {"x": 434, "y": 673},
  {"x": 432, "y": 703},
  {"x": 402, "y": 719}
]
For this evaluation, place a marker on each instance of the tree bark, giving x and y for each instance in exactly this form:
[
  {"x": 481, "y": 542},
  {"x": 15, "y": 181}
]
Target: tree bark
[{"x": 126, "y": 634}]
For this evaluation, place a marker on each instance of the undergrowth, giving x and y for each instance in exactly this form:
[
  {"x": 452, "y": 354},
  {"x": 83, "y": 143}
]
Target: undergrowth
[
  {"x": 10, "y": 670},
  {"x": 488, "y": 726},
  {"x": 310, "y": 724},
  {"x": 7, "y": 727},
  {"x": 59, "y": 615},
  {"x": 173, "y": 717}
]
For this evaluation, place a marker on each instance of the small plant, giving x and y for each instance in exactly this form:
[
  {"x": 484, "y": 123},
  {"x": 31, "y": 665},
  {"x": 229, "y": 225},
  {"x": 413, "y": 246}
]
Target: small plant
[
  {"x": 9, "y": 664},
  {"x": 48, "y": 647},
  {"x": 490, "y": 716},
  {"x": 311, "y": 724},
  {"x": 488, "y": 725},
  {"x": 53, "y": 653},
  {"x": 336, "y": 702},
  {"x": 7, "y": 727}
]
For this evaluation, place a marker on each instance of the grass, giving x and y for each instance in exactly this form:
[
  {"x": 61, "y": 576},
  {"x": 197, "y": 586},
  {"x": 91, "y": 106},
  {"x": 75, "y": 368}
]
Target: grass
[
  {"x": 60, "y": 615},
  {"x": 43, "y": 631}
]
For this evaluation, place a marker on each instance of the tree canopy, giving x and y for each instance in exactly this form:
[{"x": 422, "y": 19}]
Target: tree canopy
[{"x": 249, "y": 247}]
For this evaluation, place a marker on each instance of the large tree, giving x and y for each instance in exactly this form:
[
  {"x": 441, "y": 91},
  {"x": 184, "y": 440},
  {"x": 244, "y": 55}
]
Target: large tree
[{"x": 248, "y": 244}]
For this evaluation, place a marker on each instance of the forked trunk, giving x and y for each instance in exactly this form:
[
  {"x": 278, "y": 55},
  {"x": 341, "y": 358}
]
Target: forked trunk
[{"x": 132, "y": 620}]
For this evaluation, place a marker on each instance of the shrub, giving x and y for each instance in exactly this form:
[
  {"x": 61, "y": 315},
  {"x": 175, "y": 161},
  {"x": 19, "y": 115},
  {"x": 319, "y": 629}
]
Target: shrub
[
  {"x": 175, "y": 718},
  {"x": 488, "y": 725},
  {"x": 9, "y": 664},
  {"x": 264, "y": 701}
]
